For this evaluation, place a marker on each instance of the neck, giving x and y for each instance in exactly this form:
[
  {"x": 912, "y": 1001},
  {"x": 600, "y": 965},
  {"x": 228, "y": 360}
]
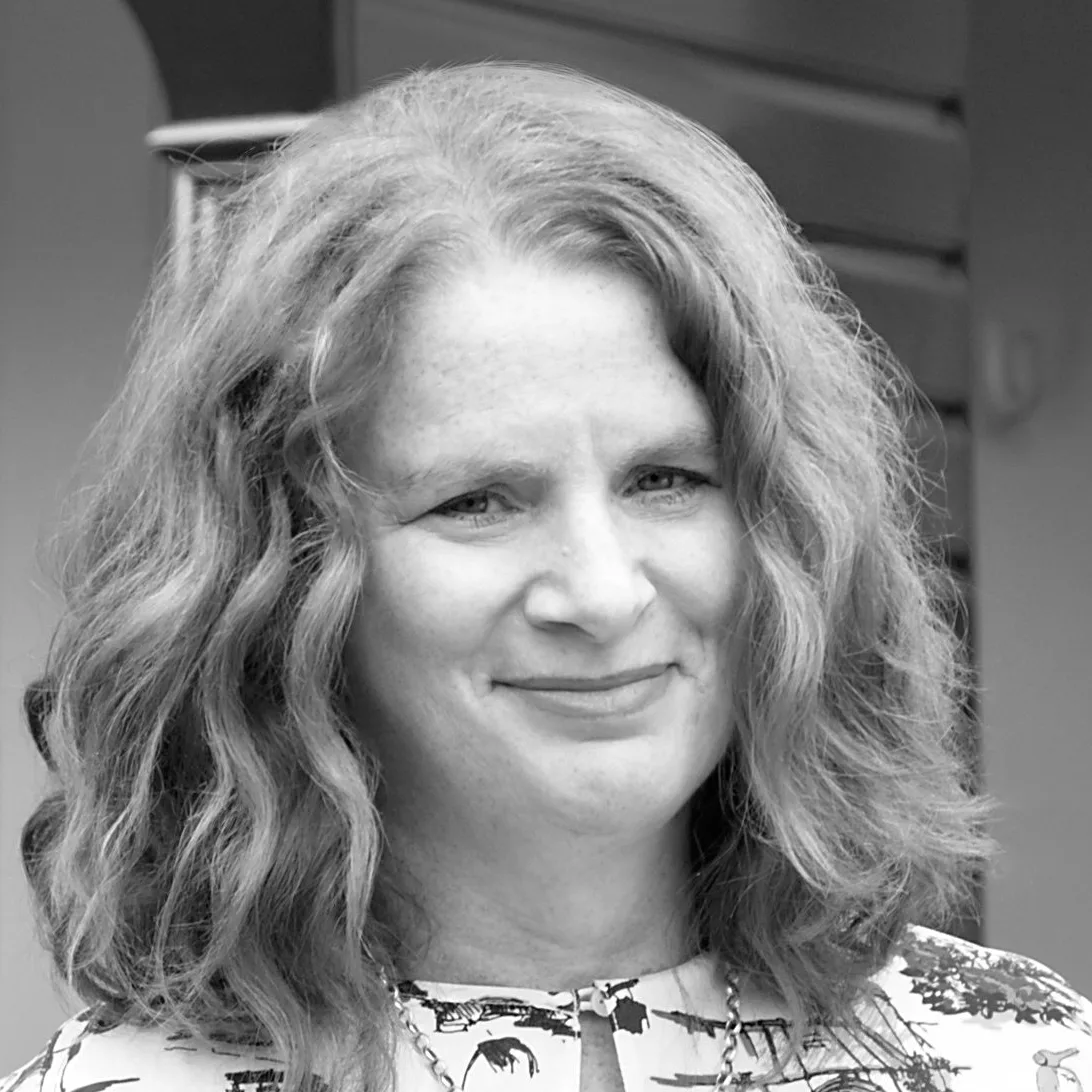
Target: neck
[{"x": 520, "y": 905}]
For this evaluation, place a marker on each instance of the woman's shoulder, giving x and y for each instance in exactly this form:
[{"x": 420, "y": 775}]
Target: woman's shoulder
[
  {"x": 991, "y": 1014},
  {"x": 957, "y": 977},
  {"x": 87, "y": 1053}
]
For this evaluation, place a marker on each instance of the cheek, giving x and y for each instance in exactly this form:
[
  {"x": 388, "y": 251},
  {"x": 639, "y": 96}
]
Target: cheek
[
  {"x": 706, "y": 570},
  {"x": 421, "y": 601}
]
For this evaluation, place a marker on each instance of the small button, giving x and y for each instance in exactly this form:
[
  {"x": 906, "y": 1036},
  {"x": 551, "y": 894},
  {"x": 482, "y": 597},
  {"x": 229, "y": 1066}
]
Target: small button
[{"x": 596, "y": 1000}]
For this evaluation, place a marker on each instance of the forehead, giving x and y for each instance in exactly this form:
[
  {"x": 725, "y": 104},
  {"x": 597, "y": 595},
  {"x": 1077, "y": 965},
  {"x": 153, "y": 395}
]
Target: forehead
[{"x": 529, "y": 353}]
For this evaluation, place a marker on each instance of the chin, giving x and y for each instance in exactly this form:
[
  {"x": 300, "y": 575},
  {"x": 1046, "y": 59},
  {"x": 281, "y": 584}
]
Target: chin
[{"x": 614, "y": 794}]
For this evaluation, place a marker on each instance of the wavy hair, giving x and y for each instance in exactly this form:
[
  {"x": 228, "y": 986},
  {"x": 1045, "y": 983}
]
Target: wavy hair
[{"x": 210, "y": 856}]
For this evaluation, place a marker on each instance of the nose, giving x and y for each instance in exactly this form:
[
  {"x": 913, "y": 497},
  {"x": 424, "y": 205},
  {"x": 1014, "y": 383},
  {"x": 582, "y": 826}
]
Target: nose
[{"x": 594, "y": 578}]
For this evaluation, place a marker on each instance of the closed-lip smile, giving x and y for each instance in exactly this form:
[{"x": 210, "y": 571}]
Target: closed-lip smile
[
  {"x": 587, "y": 682},
  {"x": 606, "y": 699}
]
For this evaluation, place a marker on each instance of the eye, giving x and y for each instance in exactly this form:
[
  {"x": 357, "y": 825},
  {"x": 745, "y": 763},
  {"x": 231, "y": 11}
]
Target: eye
[
  {"x": 480, "y": 508},
  {"x": 665, "y": 484}
]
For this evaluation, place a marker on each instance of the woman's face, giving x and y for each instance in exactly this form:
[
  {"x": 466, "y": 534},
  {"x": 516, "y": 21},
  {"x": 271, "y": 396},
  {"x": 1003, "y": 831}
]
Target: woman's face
[{"x": 546, "y": 623}]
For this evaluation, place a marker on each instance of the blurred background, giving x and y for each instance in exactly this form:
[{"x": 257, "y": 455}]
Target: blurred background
[{"x": 937, "y": 153}]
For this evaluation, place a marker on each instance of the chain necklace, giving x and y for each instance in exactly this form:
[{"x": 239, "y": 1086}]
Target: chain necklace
[{"x": 727, "y": 1078}]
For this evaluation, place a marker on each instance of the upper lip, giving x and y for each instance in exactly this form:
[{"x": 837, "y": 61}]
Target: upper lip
[{"x": 587, "y": 682}]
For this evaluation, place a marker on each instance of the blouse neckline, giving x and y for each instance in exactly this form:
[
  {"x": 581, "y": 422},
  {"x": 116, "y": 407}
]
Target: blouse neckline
[{"x": 699, "y": 969}]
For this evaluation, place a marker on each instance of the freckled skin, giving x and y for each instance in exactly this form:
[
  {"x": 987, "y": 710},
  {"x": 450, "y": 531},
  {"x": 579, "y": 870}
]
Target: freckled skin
[{"x": 586, "y": 564}]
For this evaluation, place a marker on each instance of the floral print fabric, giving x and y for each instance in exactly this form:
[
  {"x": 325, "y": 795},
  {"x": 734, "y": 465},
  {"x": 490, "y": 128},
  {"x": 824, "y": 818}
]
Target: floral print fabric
[{"x": 943, "y": 1015}]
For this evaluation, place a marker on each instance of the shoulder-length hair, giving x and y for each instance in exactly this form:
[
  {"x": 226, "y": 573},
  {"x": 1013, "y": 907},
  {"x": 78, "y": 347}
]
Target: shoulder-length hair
[{"x": 210, "y": 856}]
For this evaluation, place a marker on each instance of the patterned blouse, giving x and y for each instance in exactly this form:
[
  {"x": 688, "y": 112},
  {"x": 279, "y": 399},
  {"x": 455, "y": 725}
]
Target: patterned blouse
[{"x": 944, "y": 1015}]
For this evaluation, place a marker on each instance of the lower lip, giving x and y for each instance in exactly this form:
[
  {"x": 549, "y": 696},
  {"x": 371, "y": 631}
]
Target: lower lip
[{"x": 618, "y": 701}]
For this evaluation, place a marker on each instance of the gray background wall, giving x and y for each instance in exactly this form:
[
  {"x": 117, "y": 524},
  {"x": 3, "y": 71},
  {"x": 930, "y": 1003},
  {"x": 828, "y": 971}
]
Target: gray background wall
[
  {"x": 1031, "y": 290},
  {"x": 81, "y": 209}
]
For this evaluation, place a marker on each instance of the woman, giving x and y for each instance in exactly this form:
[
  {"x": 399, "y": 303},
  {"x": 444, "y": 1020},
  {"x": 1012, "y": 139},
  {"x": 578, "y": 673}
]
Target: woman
[{"x": 498, "y": 651}]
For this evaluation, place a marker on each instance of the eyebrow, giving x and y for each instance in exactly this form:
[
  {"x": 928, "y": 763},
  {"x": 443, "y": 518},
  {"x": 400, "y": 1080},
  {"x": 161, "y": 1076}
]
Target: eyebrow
[{"x": 481, "y": 465}]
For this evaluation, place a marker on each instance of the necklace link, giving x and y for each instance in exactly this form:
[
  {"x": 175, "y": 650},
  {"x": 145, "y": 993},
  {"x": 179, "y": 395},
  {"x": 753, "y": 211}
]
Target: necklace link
[
  {"x": 419, "y": 1039},
  {"x": 727, "y": 1078}
]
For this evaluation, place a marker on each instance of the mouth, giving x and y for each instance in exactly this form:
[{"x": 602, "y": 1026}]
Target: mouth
[
  {"x": 622, "y": 695},
  {"x": 579, "y": 683}
]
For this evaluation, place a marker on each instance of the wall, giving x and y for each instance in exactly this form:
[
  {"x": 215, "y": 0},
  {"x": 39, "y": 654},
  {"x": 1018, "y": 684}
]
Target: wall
[
  {"x": 81, "y": 205},
  {"x": 1031, "y": 287}
]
